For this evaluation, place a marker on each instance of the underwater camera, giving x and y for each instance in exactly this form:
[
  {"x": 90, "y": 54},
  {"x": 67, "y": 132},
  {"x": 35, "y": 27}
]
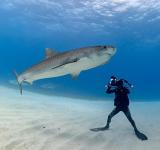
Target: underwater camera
[{"x": 114, "y": 80}]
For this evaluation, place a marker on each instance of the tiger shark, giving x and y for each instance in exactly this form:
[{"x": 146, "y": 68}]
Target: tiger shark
[{"x": 71, "y": 62}]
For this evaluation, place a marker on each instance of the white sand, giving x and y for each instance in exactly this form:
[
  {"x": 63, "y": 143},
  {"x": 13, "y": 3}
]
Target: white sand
[{"x": 37, "y": 122}]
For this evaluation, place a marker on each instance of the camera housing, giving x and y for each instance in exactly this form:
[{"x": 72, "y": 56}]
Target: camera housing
[{"x": 113, "y": 82}]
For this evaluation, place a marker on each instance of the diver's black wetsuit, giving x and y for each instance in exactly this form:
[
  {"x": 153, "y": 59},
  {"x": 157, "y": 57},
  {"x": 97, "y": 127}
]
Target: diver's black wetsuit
[{"x": 121, "y": 102}]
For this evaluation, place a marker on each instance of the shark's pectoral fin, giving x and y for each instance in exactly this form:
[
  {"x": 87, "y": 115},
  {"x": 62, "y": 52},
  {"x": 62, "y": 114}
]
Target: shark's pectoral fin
[
  {"x": 75, "y": 75},
  {"x": 50, "y": 52}
]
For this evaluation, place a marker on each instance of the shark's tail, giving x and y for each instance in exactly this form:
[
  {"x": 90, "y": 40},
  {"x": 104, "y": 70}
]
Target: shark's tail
[{"x": 18, "y": 81}]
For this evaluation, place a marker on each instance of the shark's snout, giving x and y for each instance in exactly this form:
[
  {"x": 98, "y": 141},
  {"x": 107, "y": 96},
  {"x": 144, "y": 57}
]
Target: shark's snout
[
  {"x": 108, "y": 49},
  {"x": 112, "y": 51}
]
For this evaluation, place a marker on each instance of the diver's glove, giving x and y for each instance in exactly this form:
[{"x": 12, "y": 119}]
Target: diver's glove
[{"x": 108, "y": 86}]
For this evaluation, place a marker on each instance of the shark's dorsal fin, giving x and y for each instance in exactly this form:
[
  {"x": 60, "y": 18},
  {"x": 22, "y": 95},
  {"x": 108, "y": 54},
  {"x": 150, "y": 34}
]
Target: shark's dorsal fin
[{"x": 50, "y": 52}]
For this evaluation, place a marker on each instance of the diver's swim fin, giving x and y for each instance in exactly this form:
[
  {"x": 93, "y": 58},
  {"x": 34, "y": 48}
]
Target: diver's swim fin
[
  {"x": 141, "y": 136},
  {"x": 99, "y": 129}
]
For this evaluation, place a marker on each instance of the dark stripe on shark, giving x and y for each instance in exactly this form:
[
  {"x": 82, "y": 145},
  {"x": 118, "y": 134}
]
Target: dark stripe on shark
[{"x": 67, "y": 62}]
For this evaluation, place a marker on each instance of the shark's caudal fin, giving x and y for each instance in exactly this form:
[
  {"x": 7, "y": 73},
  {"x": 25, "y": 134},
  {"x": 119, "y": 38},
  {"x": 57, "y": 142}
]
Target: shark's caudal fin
[{"x": 19, "y": 83}]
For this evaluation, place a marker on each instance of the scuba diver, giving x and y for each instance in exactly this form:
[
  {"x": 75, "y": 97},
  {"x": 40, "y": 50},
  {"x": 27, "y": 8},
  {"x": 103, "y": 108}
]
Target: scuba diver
[{"x": 121, "y": 103}]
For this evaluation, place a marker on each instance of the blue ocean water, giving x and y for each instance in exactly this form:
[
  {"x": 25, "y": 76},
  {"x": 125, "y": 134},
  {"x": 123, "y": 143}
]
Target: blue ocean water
[{"x": 133, "y": 26}]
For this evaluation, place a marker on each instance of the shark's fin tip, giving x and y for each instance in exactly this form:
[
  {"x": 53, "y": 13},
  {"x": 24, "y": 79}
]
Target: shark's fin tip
[{"x": 19, "y": 83}]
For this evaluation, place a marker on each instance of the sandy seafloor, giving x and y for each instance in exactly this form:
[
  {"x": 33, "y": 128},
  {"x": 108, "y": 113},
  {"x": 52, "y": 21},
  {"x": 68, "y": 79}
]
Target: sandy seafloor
[{"x": 40, "y": 122}]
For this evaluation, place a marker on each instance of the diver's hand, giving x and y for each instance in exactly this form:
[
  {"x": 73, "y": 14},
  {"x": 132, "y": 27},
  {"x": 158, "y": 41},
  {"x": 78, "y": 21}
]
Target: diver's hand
[{"x": 108, "y": 86}]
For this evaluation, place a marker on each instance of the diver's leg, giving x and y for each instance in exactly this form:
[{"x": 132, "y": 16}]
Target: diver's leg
[
  {"x": 140, "y": 135},
  {"x": 129, "y": 117},
  {"x": 112, "y": 114}
]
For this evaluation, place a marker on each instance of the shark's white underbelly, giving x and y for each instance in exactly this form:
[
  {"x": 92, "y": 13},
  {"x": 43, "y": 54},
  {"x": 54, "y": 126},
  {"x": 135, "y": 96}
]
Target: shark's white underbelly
[{"x": 75, "y": 68}]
